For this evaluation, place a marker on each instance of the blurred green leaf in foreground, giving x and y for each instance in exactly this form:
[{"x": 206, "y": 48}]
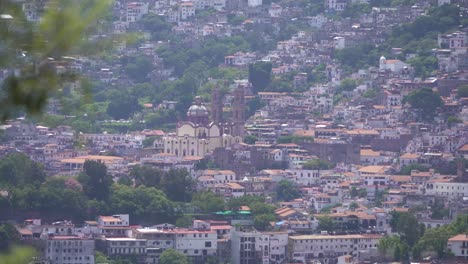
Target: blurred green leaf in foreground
[
  {"x": 17, "y": 255},
  {"x": 36, "y": 55}
]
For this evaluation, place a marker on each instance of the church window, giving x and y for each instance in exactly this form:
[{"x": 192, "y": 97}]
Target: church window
[{"x": 192, "y": 152}]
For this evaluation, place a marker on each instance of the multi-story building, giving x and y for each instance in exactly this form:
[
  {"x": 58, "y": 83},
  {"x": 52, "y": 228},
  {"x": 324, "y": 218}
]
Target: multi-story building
[
  {"x": 453, "y": 40},
  {"x": 336, "y": 5},
  {"x": 135, "y": 10},
  {"x": 458, "y": 245},
  {"x": 197, "y": 244},
  {"x": 69, "y": 250},
  {"x": 258, "y": 247},
  {"x": 450, "y": 190},
  {"x": 114, "y": 226},
  {"x": 125, "y": 246},
  {"x": 328, "y": 248}
]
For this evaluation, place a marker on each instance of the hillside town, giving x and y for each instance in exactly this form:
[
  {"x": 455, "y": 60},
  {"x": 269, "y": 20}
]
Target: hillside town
[{"x": 305, "y": 137}]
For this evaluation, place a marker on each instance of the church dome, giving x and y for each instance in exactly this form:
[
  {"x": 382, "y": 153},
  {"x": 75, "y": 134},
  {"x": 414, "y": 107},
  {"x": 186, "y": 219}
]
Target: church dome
[{"x": 197, "y": 109}]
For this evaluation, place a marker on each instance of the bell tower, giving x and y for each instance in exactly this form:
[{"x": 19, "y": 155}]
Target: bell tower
[
  {"x": 216, "y": 106},
  {"x": 238, "y": 112}
]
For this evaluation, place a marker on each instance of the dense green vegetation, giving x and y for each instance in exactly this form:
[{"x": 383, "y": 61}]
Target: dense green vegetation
[
  {"x": 415, "y": 240},
  {"x": 425, "y": 101},
  {"x": 145, "y": 193},
  {"x": 94, "y": 193},
  {"x": 318, "y": 164},
  {"x": 58, "y": 34},
  {"x": 418, "y": 38},
  {"x": 287, "y": 191}
]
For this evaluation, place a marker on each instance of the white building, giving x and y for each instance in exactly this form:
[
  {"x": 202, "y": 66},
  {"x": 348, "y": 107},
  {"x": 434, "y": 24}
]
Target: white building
[
  {"x": 125, "y": 246},
  {"x": 307, "y": 177},
  {"x": 135, "y": 10},
  {"x": 258, "y": 247},
  {"x": 275, "y": 10},
  {"x": 254, "y": 3},
  {"x": 450, "y": 190},
  {"x": 197, "y": 136},
  {"x": 219, "y": 5},
  {"x": 458, "y": 245},
  {"x": 186, "y": 10},
  {"x": 329, "y": 247},
  {"x": 339, "y": 42},
  {"x": 197, "y": 244},
  {"x": 395, "y": 66},
  {"x": 69, "y": 250},
  {"x": 317, "y": 21},
  {"x": 336, "y": 5},
  {"x": 451, "y": 41},
  {"x": 115, "y": 220}
]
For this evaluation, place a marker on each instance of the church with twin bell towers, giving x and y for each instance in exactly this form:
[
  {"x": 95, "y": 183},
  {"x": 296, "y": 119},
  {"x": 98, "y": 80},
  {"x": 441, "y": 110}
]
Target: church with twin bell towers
[{"x": 199, "y": 136}]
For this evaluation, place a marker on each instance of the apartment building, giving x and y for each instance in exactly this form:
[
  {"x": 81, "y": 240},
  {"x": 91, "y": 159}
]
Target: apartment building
[
  {"x": 197, "y": 244},
  {"x": 258, "y": 247},
  {"x": 458, "y": 245},
  {"x": 69, "y": 250},
  {"x": 327, "y": 248}
]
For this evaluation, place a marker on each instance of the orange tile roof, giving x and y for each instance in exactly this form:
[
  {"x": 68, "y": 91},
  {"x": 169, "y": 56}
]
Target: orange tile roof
[
  {"x": 369, "y": 153},
  {"x": 459, "y": 238}
]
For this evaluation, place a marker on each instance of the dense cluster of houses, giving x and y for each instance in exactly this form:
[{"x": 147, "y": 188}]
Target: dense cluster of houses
[{"x": 367, "y": 139}]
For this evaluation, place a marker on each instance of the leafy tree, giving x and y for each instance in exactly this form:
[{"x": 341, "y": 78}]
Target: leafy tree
[
  {"x": 286, "y": 191},
  {"x": 95, "y": 180},
  {"x": 347, "y": 85},
  {"x": 208, "y": 202},
  {"x": 260, "y": 75},
  {"x": 157, "y": 25},
  {"x": 235, "y": 203},
  {"x": 123, "y": 106},
  {"x": 394, "y": 248},
  {"x": 294, "y": 139},
  {"x": 462, "y": 91},
  {"x": 453, "y": 120},
  {"x": 100, "y": 258},
  {"x": 406, "y": 170},
  {"x": 171, "y": 256},
  {"x": 8, "y": 237},
  {"x": 137, "y": 68},
  {"x": 235, "y": 20},
  {"x": 17, "y": 255},
  {"x": 362, "y": 193},
  {"x": 426, "y": 101},
  {"x": 147, "y": 176},
  {"x": 258, "y": 208},
  {"x": 424, "y": 65},
  {"x": 353, "y": 206},
  {"x": 249, "y": 139},
  {"x": 58, "y": 34},
  {"x": 439, "y": 211},
  {"x": 262, "y": 221},
  {"x": 358, "y": 56},
  {"x": 326, "y": 224},
  {"x": 178, "y": 185},
  {"x": 184, "y": 221},
  {"x": 404, "y": 224},
  {"x": 317, "y": 164},
  {"x": 59, "y": 199},
  {"x": 356, "y": 10},
  {"x": 18, "y": 169},
  {"x": 144, "y": 203}
]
